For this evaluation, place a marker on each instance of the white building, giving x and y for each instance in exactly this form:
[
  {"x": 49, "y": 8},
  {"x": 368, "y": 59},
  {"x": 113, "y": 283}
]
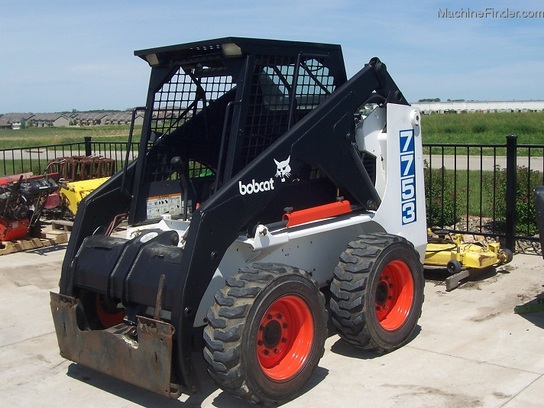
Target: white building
[{"x": 478, "y": 106}]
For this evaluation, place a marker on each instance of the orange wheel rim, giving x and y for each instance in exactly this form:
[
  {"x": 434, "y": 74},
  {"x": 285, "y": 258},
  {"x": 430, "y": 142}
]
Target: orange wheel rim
[
  {"x": 107, "y": 313},
  {"x": 394, "y": 295},
  {"x": 285, "y": 337}
]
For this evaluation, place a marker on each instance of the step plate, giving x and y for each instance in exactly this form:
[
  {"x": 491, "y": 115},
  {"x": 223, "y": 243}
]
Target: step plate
[{"x": 140, "y": 355}]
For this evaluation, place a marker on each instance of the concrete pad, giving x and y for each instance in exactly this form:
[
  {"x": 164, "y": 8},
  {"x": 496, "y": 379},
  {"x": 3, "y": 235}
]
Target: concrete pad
[
  {"x": 470, "y": 349},
  {"x": 477, "y": 321},
  {"x": 414, "y": 377},
  {"x": 531, "y": 397},
  {"x": 25, "y": 281}
]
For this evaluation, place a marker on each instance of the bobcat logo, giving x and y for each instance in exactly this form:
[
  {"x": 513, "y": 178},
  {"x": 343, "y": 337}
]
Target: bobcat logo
[{"x": 283, "y": 169}]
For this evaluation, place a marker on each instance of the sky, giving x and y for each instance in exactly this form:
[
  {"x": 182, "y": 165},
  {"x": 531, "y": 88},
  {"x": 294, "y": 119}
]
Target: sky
[{"x": 66, "y": 55}]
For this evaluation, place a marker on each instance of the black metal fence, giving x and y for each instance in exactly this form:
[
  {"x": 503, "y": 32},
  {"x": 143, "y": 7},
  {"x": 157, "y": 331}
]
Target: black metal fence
[
  {"x": 473, "y": 189},
  {"x": 485, "y": 190},
  {"x": 35, "y": 159}
]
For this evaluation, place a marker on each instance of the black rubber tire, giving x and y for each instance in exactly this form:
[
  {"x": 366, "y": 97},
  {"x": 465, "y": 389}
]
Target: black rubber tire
[
  {"x": 233, "y": 336},
  {"x": 358, "y": 290},
  {"x": 454, "y": 266},
  {"x": 505, "y": 256}
]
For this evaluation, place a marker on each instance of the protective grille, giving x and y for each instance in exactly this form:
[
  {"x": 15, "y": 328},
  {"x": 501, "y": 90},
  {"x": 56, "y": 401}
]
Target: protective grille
[
  {"x": 179, "y": 100},
  {"x": 282, "y": 91},
  {"x": 184, "y": 96},
  {"x": 281, "y": 94}
]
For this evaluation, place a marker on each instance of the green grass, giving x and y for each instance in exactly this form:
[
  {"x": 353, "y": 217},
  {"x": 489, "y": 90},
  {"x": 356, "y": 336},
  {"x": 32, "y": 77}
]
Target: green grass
[
  {"x": 474, "y": 191},
  {"x": 469, "y": 192},
  {"x": 483, "y": 194},
  {"x": 9, "y": 167},
  {"x": 35, "y": 136},
  {"x": 483, "y": 128},
  {"x": 478, "y": 128}
]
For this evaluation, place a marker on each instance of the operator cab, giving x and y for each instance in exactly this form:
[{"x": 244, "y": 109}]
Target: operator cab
[{"x": 217, "y": 105}]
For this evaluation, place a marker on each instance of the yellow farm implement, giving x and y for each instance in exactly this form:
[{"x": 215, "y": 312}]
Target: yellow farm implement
[
  {"x": 460, "y": 257},
  {"x": 73, "y": 192}
]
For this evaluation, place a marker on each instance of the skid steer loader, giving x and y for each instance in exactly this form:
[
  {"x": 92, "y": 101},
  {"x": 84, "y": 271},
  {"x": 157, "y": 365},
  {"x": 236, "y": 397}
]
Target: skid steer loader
[{"x": 261, "y": 201}]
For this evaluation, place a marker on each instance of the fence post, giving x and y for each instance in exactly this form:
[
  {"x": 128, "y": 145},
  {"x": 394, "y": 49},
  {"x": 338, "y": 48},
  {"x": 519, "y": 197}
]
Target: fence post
[
  {"x": 511, "y": 184},
  {"x": 88, "y": 149}
]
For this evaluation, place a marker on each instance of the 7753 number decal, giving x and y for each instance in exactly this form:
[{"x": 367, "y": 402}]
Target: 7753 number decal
[{"x": 407, "y": 176}]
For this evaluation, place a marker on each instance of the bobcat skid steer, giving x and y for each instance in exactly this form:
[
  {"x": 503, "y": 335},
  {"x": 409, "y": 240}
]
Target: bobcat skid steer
[{"x": 259, "y": 186}]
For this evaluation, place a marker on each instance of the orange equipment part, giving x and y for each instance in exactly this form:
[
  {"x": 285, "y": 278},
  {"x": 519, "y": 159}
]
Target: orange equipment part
[
  {"x": 317, "y": 213},
  {"x": 12, "y": 230}
]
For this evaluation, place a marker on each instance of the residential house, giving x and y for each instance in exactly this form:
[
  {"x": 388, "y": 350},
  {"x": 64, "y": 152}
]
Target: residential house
[{"x": 48, "y": 120}]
